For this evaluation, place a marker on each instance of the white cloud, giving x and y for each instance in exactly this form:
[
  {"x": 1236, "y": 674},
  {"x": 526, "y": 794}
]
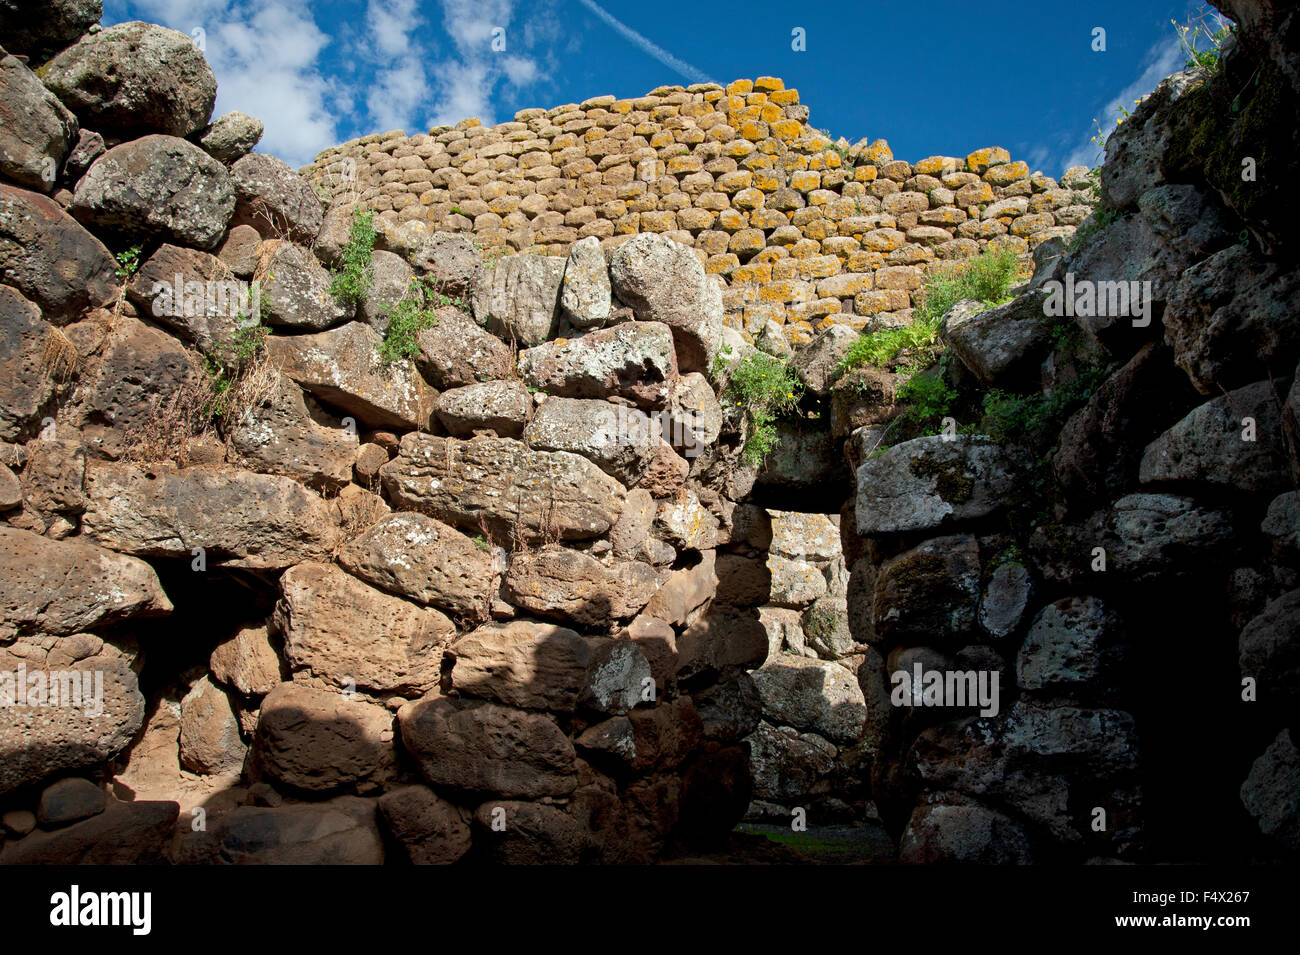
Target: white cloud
[
  {"x": 399, "y": 89},
  {"x": 1163, "y": 58}
]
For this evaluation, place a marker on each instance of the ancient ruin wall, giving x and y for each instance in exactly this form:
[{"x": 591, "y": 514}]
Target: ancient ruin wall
[{"x": 804, "y": 231}]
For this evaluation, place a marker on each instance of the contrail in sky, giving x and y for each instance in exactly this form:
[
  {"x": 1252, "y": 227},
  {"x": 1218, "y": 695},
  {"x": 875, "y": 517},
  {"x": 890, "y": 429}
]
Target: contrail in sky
[{"x": 651, "y": 49}]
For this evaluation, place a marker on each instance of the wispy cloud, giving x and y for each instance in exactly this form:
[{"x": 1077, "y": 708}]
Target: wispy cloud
[
  {"x": 645, "y": 45},
  {"x": 1163, "y": 58}
]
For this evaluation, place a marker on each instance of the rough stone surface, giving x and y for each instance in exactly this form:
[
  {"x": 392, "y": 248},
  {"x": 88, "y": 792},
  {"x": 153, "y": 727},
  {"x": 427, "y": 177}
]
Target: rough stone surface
[
  {"x": 69, "y": 800},
  {"x": 340, "y": 831},
  {"x": 274, "y": 199},
  {"x": 812, "y": 695},
  {"x": 36, "y": 131},
  {"x": 585, "y": 290},
  {"x": 1271, "y": 793},
  {"x": 432, "y": 830},
  {"x": 1003, "y": 345},
  {"x": 633, "y": 360},
  {"x": 930, "y": 592},
  {"x": 455, "y": 352},
  {"x": 125, "y": 833},
  {"x": 499, "y": 406},
  {"x": 621, "y": 441},
  {"x": 247, "y": 661},
  {"x": 963, "y": 834},
  {"x": 210, "y": 743},
  {"x": 296, "y": 291},
  {"x": 231, "y": 136},
  {"x": 517, "y": 299}
]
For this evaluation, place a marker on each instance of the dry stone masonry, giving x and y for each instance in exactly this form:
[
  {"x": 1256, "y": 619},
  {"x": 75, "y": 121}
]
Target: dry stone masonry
[{"x": 473, "y": 565}]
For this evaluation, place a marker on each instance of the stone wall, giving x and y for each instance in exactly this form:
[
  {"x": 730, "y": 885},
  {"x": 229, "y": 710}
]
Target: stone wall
[{"x": 804, "y": 231}]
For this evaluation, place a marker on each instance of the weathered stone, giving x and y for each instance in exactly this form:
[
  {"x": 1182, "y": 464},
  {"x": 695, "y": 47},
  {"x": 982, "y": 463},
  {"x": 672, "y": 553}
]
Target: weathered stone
[
  {"x": 1136, "y": 150},
  {"x": 1269, "y": 651},
  {"x": 125, "y": 833},
  {"x": 240, "y": 251},
  {"x": 929, "y": 592},
  {"x": 1282, "y": 524},
  {"x": 238, "y": 518},
  {"x": 319, "y": 742},
  {"x": 195, "y": 295},
  {"x": 620, "y": 440},
  {"x": 447, "y": 259},
  {"x": 534, "y": 834},
  {"x": 296, "y": 292},
  {"x": 135, "y": 78},
  {"x": 340, "y": 831},
  {"x": 62, "y": 587},
  {"x": 456, "y": 352},
  {"x": 36, "y": 131},
  {"x": 685, "y": 591},
  {"x": 50, "y": 258},
  {"x": 342, "y": 368},
  {"x": 517, "y": 299},
  {"x": 731, "y": 710},
  {"x": 939, "y": 834},
  {"x": 210, "y": 743},
  {"x": 499, "y": 406},
  {"x": 501, "y": 486},
  {"x": 694, "y": 418},
  {"x": 1236, "y": 440},
  {"x": 633, "y": 360},
  {"x": 806, "y": 458},
  {"x": 274, "y": 200},
  {"x": 11, "y": 492},
  {"x": 37, "y": 739},
  {"x": 485, "y": 747},
  {"x": 817, "y": 363},
  {"x": 666, "y": 473},
  {"x": 789, "y": 766},
  {"x": 803, "y": 535},
  {"x": 743, "y": 581},
  {"x": 585, "y": 289},
  {"x": 932, "y": 481},
  {"x": 826, "y": 627},
  {"x": 1075, "y": 645},
  {"x": 420, "y": 558},
  {"x": 569, "y": 585},
  {"x": 157, "y": 187},
  {"x": 812, "y": 695},
  {"x": 1156, "y": 533},
  {"x": 61, "y": 23},
  {"x": 89, "y": 147},
  {"x": 287, "y": 433},
  {"x": 68, "y": 801},
  {"x": 25, "y": 389},
  {"x": 720, "y": 642},
  {"x": 1006, "y": 599},
  {"x": 1271, "y": 793},
  {"x": 390, "y": 278},
  {"x": 795, "y": 581},
  {"x": 862, "y": 397},
  {"x": 231, "y": 136},
  {"x": 432, "y": 830},
  {"x": 339, "y": 630},
  {"x": 663, "y": 281},
  {"x": 247, "y": 661},
  {"x": 1003, "y": 345}
]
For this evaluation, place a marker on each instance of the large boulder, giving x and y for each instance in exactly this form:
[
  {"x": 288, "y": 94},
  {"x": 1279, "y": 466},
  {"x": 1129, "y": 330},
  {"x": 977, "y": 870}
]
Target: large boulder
[
  {"x": 296, "y": 291},
  {"x": 1271, "y": 793},
  {"x": 1236, "y": 441},
  {"x": 26, "y": 391},
  {"x": 1231, "y": 318},
  {"x": 517, "y": 299},
  {"x": 125, "y": 833},
  {"x": 36, "y": 131},
  {"x": 502, "y": 487},
  {"x": 933, "y": 481},
  {"x": 818, "y": 363},
  {"x": 1149, "y": 534},
  {"x": 632, "y": 360},
  {"x": 930, "y": 592},
  {"x": 317, "y": 742},
  {"x": 100, "y": 707},
  {"x": 488, "y": 748},
  {"x": 1074, "y": 646},
  {"x": 247, "y": 662},
  {"x": 815, "y": 696},
  {"x": 585, "y": 297},
  {"x": 135, "y": 78},
  {"x": 1136, "y": 150},
  {"x": 450, "y": 261},
  {"x": 390, "y": 279},
  {"x": 455, "y": 352},
  {"x": 342, "y": 367},
  {"x": 157, "y": 187},
  {"x": 274, "y": 199},
  {"x": 288, "y": 433},
  {"x": 210, "y": 742},
  {"x": 1269, "y": 651},
  {"x": 238, "y": 518},
  {"x": 1003, "y": 345},
  {"x": 49, "y": 257},
  {"x": 63, "y": 587},
  {"x": 432, "y": 830},
  {"x": 341, "y": 631},
  {"x": 543, "y": 667},
  {"x": 621, "y": 440},
  {"x": 231, "y": 136},
  {"x": 340, "y": 831},
  {"x": 195, "y": 295},
  {"x": 60, "y": 24},
  {"x": 566, "y": 584},
  {"x": 663, "y": 281},
  {"x": 420, "y": 558},
  {"x": 939, "y": 834},
  {"x": 499, "y": 406}
]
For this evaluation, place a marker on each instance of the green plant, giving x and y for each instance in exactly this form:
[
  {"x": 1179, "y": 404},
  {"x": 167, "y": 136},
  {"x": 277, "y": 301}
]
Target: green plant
[
  {"x": 250, "y": 340},
  {"x": 986, "y": 278},
  {"x": 353, "y": 281},
  {"x": 128, "y": 263},
  {"x": 1198, "y": 29},
  {"x": 481, "y": 543},
  {"x": 762, "y": 388},
  {"x": 410, "y": 316},
  {"x": 882, "y": 347},
  {"x": 928, "y": 398}
]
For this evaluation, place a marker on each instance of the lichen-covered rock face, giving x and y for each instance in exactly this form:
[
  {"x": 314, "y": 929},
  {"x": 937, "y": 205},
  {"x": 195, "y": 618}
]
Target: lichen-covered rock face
[
  {"x": 36, "y": 131},
  {"x": 50, "y": 258},
  {"x": 585, "y": 296},
  {"x": 273, "y": 199},
  {"x": 296, "y": 292},
  {"x": 455, "y": 352},
  {"x": 811, "y": 695},
  {"x": 502, "y": 407},
  {"x": 622, "y": 441},
  {"x": 632, "y": 360},
  {"x": 135, "y": 78},
  {"x": 1003, "y": 345},
  {"x": 504, "y": 487},
  {"x": 663, "y": 281},
  {"x": 517, "y": 299},
  {"x": 61, "y": 23},
  {"x": 157, "y": 187},
  {"x": 231, "y": 136}
]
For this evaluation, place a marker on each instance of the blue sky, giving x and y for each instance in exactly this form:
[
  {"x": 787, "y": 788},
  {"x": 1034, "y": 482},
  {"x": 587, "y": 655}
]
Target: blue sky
[{"x": 935, "y": 78}]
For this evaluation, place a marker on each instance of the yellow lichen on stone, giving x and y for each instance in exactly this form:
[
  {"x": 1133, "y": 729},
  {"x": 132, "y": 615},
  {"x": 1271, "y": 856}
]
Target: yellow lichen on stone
[
  {"x": 740, "y": 87},
  {"x": 980, "y": 160}
]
